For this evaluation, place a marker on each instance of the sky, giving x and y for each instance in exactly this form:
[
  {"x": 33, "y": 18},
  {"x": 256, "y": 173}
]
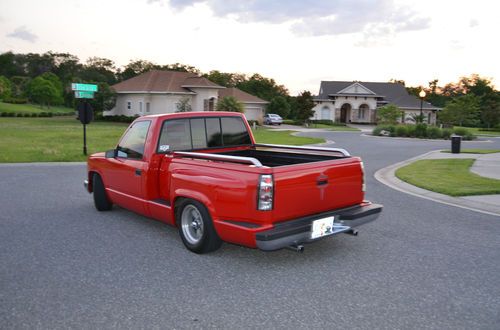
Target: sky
[{"x": 298, "y": 43}]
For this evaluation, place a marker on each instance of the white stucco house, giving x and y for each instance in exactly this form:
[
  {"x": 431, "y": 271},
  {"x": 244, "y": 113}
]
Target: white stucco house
[
  {"x": 357, "y": 102},
  {"x": 158, "y": 92}
]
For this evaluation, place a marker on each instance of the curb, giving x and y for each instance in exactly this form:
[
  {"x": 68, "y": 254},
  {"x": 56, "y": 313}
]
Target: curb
[
  {"x": 417, "y": 139},
  {"x": 387, "y": 176}
]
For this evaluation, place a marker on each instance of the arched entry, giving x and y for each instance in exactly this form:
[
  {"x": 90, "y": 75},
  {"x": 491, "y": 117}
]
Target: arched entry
[
  {"x": 363, "y": 111},
  {"x": 345, "y": 113}
]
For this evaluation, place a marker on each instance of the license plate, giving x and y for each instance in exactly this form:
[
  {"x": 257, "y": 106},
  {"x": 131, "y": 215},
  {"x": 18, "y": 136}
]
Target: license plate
[{"x": 322, "y": 227}]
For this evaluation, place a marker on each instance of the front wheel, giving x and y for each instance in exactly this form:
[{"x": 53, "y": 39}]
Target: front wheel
[
  {"x": 196, "y": 228},
  {"x": 101, "y": 201}
]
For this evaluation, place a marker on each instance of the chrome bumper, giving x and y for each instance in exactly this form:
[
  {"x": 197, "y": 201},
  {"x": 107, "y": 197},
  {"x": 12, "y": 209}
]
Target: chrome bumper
[{"x": 296, "y": 232}]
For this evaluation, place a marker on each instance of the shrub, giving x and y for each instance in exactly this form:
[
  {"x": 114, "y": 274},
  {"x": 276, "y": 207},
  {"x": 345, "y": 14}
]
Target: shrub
[
  {"x": 49, "y": 114},
  {"x": 27, "y": 114},
  {"x": 446, "y": 133},
  {"x": 420, "y": 130},
  {"x": 3, "y": 114},
  {"x": 15, "y": 100},
  {"x": 401, "y": 130},
  {"x": 460, "y": 131},
  {"x": 34, "y": 114},
  {"x": 322, "y": 121},
  {"x": 10, "y": 114},
  {"x": 388, "y": 128},
  {"x": 19, "y": 114},
  {"x": 251, "y": 122},
  {"x": 434, "y": 133}
]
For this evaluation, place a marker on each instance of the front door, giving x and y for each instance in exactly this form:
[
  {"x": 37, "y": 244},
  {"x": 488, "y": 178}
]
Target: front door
[
  {"x": 124, "y": 174},
  {"x": 343, "y": 115}
]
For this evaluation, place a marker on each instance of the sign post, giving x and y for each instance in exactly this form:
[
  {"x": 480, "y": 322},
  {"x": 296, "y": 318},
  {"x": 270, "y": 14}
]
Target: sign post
[{"x": 85, "y": 111}]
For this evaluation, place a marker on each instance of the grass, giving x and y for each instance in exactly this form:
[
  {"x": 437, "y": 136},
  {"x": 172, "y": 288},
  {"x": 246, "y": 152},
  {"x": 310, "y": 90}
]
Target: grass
[
  {"x": 448, "y": 176},
  {"x": 477, "y": 131},
  {"x": 334, "y": 127},
  {"x": 32, "y": 108},
  {"x": 475, "y": 151},
  {"x": 60, "y": 139},
  {"x": 54, "y": 139}
]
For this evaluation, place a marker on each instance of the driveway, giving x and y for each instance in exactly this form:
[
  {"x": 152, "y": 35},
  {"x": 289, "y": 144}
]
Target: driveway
[{"x": 421, "y": 265}]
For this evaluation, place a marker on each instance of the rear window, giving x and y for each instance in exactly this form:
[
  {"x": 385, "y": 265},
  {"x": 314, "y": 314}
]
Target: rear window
[{"x": 200, "y": 133}]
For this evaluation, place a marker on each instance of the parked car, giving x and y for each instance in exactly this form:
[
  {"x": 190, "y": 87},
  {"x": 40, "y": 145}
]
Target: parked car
[
  {"x": 273, "y": 119},
  {"x": 204, "y": 173}
]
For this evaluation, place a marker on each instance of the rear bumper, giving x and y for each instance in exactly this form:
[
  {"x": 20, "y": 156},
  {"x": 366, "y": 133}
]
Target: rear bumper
[{"x": 295, "y": 232}]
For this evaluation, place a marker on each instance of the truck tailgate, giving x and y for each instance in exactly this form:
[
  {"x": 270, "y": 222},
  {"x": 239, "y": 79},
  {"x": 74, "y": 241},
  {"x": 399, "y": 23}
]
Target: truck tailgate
[{"x": 312, "y": 188}]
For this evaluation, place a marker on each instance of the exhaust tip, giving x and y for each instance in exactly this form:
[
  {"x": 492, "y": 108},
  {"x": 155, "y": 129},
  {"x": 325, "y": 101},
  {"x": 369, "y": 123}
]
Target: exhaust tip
[{"x": 296, "y": 248}]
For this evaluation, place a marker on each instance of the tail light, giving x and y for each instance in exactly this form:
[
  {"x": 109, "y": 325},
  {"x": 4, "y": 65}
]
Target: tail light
[
  {"x": 265, "y": 193},
  {"x": 363, "y": 184}
]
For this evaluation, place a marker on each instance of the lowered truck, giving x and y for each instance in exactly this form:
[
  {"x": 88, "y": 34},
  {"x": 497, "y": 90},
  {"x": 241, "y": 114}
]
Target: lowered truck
[{"x": 204, "y": 173}]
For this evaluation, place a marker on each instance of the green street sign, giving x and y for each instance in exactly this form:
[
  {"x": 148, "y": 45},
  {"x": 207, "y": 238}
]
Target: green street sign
[
  {"x": 84, "y": 87},
  {"x": 84, "y": 95}
]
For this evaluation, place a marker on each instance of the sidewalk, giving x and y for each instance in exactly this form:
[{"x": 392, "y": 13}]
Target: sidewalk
[{"x": 487, "y": 165}]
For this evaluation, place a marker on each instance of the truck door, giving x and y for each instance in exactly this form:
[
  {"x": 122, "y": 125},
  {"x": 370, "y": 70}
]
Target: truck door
[{"x": 126, "y": 171}]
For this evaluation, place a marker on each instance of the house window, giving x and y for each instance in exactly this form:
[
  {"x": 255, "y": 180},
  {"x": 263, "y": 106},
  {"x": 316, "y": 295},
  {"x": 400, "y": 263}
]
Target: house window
[
  {"x": 148, "y": 107},
  {"x": 129, "y": 105},
  {"x": 140, "y": 107},
  {"x": 363, "y": 110}
]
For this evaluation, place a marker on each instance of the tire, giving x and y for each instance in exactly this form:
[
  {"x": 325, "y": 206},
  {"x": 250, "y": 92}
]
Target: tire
[
  {"x": 196, "y": 228},
  {"x": 101, "y": 201}
]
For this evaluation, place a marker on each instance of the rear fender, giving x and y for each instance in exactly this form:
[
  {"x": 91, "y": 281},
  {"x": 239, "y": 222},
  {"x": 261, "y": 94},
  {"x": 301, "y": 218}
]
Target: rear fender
[{"x": 200, "y": 197}]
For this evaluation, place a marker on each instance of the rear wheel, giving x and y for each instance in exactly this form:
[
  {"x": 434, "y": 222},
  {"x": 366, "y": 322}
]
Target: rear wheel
[
  {"x": 196, "y": 228},
  {"x": 101, "y": 201}
]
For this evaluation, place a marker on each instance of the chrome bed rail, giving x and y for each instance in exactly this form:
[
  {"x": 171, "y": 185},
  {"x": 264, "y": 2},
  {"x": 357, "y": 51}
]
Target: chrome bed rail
[
  {"x": 344, "y": 152},
  {"x": 221, "y": 158}
]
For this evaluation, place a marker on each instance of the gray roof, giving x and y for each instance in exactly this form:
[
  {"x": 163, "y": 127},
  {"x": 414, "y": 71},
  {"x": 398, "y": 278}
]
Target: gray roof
[{"x": 393, "y": 93}]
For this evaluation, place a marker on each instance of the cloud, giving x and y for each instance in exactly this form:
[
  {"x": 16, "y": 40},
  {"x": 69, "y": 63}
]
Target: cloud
[
  {"x": 316, "y": 17},
  {"x": 24, "y": 34},
  {"x": 473, "y": 23}
]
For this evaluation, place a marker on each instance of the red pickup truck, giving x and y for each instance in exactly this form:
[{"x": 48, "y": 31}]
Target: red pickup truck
[{"x": 204, "y": 173}]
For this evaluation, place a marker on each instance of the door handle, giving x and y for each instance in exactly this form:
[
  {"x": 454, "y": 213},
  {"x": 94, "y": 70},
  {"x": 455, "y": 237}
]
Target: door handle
[{"x": 138, "y": 172}]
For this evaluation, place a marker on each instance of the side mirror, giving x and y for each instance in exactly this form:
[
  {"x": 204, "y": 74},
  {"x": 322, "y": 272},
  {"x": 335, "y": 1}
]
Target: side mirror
[{"x": 111, "y": 153}]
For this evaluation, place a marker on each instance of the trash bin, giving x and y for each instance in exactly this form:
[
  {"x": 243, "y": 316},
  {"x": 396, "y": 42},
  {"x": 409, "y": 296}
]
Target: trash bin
[{"x": 456, "y": 140}]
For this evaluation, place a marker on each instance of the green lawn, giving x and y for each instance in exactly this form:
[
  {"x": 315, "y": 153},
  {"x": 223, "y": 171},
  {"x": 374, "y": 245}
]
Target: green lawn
[
  {"x": 334, "y": 128},
  {"x": 53, "y": 139},
  {"x": 271, "y": 136},
  {"x": 448, "y": 176},
  {"x": 477, "y": 131},
  {"x": 60, "y": 139},
  {"x": 31, "y": 108},
  {"x": 475, "y": 151}
]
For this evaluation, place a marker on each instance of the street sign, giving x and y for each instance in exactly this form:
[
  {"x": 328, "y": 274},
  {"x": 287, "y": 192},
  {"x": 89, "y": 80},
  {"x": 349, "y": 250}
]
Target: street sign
[
  {"x": 84, "y": 87},
  {"x": 85, "y": 113},
  {"x": 84, "y": 95}
]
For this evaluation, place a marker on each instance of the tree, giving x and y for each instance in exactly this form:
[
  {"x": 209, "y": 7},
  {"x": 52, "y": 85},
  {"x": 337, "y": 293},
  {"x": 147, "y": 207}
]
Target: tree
[
  {"x": 262, "y": 87},
  {"x": 304, "y": 104},
  {"x": 135, "y": 68},
  {"x": 490, "y": 113},
  {"x": 20, "y": 86},
  {"x": 230, "y": 103},
  {"x": 388, "y": 114},
  {"x": 104, "y": 99},
  {"x": 5, "y": 87},
  {"x": 43, "y": 92},
  {"x": 279, "y": 105},
  {"x": 225, "y": 79},
  {"x": 184, "y": 105},
  {"x": 463, "y": 110},
  {"x": 99, "y": 69}
]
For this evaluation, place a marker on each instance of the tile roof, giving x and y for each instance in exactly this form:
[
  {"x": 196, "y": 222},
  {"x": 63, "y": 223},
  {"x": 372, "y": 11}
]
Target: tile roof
[
  {"x": 163, "y": 81},
  {"x": 390, "y": 92},
  {"x": 240, "y": 95}
]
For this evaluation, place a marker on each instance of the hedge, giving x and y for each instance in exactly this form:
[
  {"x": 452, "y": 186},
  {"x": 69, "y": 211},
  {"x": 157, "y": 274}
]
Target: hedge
[{"x": 421, "y": 131}]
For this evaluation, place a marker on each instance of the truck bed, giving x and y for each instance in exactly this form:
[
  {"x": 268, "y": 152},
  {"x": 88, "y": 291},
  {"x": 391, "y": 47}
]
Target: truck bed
[{"x": 274, "y": 157}]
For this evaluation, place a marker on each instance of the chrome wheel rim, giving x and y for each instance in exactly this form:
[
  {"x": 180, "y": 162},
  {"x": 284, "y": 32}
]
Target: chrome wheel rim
[{"x": 192, "y": 224}]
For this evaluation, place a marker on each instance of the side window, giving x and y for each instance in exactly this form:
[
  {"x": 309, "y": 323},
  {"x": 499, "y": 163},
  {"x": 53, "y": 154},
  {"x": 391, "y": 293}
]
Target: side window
[
  {"x": 198, "y": 133},
  {"x": 175, "y": 135},
  {"x": 214, "y": 136},
  {"x": 234, "y": 132},
  {"x": 132, "y": 143}
]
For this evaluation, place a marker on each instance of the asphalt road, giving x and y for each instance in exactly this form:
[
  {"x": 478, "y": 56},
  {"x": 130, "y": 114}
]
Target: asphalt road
[{"x": 420, "y": 265}]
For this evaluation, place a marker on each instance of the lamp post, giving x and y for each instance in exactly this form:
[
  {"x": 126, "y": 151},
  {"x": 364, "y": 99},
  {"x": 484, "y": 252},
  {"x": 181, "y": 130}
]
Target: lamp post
[{"x": 422, "y": 96}]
